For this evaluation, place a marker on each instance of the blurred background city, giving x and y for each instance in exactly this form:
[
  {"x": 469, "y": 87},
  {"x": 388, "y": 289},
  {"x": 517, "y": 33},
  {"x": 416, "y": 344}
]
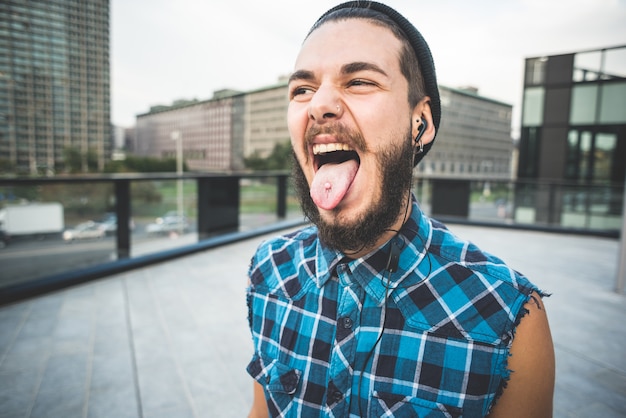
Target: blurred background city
[{"x": 133, "y": 132}]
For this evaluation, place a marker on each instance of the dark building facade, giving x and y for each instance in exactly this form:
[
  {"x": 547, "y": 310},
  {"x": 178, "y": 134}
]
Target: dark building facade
[
  {"x": 574, "y": 117},
  {"x": 574, "y": 121},
  {"x": 54, "y": 83}
]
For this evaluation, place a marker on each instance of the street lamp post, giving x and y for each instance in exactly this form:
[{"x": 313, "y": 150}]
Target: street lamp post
[{"x": 178, "y": 137}]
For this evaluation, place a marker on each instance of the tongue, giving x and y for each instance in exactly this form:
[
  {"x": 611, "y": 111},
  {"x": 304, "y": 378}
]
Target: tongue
[{"x": 331, "y": 183}]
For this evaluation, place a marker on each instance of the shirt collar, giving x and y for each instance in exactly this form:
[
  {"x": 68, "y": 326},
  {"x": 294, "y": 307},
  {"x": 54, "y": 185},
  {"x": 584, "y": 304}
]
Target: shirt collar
[
  {"x": 326, "y": 261},
  {"x": 370, "y": 270}
]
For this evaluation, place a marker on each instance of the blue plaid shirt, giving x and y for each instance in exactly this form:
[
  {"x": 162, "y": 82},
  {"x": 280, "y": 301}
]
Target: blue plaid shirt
[{"x": 337, "y": 337}]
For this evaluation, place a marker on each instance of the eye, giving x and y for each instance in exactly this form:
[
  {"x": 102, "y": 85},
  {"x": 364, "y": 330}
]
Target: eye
[
  {"x": 360, "y": 82},
  {"x": 300, "y": 92},
  {"x": 361, "y": 85}
]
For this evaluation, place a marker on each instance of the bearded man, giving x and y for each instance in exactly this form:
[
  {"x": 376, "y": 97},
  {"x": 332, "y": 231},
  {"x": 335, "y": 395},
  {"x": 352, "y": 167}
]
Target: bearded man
[{"x": 376, "y": 309}]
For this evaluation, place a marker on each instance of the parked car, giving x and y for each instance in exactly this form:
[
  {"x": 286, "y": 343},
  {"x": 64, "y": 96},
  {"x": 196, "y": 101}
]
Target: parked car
[
  {"x": 85, "y": 230},
  {"x": 170, "y": 222},
  {"x": 109, "y": 223}
]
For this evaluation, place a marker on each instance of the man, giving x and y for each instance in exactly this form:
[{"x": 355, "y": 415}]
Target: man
[{"x": 378, "y": 310}]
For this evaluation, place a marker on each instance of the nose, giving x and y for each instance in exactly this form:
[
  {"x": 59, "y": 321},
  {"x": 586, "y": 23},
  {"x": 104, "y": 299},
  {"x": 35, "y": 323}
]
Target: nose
[{"x": 325, "y": 105}]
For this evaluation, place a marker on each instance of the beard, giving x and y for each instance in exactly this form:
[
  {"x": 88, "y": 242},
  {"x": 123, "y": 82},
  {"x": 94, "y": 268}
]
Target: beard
[{"x": 396, "y": 167}]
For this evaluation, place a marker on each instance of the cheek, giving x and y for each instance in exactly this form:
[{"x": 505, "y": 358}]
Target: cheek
[
  {"x": 380, "y": 124},
  {"x": 385, "y": 133},
  {"x": 297, "y": 120}
]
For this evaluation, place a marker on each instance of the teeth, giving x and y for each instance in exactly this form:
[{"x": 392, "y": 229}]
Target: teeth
[{"x": 325, "y": 148}]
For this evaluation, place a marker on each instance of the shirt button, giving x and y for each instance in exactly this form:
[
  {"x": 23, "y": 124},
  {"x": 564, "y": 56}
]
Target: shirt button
[
  {"x": 337, "y": 396},
  {"x": 346, "y": 322}
]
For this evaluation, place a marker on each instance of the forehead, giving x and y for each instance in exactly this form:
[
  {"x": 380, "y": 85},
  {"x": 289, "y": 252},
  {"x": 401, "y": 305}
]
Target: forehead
[{"x": 350, "y": 40}]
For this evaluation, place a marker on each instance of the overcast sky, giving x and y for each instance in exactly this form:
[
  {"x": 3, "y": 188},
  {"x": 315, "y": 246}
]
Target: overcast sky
[{"x": 163, "y": 50}]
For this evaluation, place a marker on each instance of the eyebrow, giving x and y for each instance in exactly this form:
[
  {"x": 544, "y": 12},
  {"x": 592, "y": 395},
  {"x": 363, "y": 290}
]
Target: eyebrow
[
  {"x": 350, "y": 68},
  {"x": 301, "y": 75},
  {"x": 355, "y": 67}
]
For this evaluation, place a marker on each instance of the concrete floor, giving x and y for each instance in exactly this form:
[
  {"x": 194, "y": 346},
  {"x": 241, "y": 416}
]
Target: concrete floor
[{"x": 171, "y": 340}]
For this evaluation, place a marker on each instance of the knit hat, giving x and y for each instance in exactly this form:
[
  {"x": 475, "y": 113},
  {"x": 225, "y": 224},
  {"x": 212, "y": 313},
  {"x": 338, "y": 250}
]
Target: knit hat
[{"x": 422, "y": 52}]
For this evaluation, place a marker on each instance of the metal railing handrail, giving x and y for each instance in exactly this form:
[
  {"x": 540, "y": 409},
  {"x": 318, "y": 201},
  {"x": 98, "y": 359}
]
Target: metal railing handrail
[
  {"x": 208, "y": 237},
  {"x": 32, "y": 288}
]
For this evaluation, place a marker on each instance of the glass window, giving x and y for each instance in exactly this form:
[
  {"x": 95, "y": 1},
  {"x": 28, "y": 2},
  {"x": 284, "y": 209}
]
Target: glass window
[
  {"x": 604, "y": 149},
  {"x": 613, "y": 103},
  {"x": 571, "y": 168},
  {"x": 533, "y": 106},
  {"x": 583, "y": 105},
  {"x": 587, "y": 66},
  {"x": 529, "y": 152},
  {"x": 585, "y": 155},
  {"x": 535, "y": 71},
  {"x": 614, "y": 63}
]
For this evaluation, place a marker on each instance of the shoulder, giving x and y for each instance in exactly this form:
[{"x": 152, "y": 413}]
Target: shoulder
[
  {"x": 464, "y": 257},
  {"x": 279, "y": 260},
  {"x": 486, "y": 294},
  {"x": 285, "y": 248}
]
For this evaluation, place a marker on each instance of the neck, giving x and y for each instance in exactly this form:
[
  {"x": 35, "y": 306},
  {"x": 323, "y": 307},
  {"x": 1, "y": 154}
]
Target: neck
[{"x": 386, "y": 236}]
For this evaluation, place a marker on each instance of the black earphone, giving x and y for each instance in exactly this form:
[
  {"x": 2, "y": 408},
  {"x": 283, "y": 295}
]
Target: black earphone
[
  {"x": 420, "y": 131},
  {"x": 394, "y": 257}
]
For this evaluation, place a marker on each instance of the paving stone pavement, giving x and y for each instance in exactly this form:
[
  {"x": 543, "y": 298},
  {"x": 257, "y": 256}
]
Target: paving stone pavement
[{"x": 171, "y": 340}]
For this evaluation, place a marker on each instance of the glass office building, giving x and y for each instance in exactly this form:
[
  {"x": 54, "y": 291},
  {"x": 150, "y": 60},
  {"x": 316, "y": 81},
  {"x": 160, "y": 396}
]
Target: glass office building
[
  {"x": 574, "y": 117},
  {"x": 574, "y": 130},
  {"x": 54, "y": 84}
]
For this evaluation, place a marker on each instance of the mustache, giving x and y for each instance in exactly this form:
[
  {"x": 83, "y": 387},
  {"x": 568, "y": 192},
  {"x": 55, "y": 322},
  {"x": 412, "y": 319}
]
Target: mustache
[{"x": 340, "y": 131}]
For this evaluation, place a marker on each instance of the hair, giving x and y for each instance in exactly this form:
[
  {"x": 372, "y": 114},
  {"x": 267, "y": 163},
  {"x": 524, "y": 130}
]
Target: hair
[{"x": 409, "y": 65}]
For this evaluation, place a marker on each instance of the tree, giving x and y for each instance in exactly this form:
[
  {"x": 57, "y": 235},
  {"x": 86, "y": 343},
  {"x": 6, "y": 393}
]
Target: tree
[
  {"x": 73, "y": 160},
  {"x": 6, "y": 166},
  {"x": 134, "y": 164}
]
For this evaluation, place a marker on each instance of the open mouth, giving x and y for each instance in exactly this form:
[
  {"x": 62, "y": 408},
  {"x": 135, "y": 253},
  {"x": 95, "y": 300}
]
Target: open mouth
[
  {"x": 333, "y": 153},
  {"x": 336, "y": 166}
]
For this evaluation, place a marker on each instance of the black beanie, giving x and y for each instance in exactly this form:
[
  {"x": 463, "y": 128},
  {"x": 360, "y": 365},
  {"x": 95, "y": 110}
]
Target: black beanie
[{"x": 422, "y": 52}]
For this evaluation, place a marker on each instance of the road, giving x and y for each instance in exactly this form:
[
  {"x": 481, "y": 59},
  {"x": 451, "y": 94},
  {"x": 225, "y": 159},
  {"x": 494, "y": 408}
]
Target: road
[{"x": 27, "y": 259}]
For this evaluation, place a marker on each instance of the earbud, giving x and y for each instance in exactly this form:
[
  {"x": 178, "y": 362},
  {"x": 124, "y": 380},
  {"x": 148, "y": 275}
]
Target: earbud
[{"x": 420, "y": 131}]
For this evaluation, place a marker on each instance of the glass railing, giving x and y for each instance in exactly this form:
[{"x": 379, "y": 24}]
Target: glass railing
[
  {"x": 64, "y": 225},
  {"x": 567, "y": 207}
]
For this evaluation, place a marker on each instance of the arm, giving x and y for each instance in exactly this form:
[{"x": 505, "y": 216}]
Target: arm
[
  {"x": 259, "y": 406},
  {"x": 529, "y": 391}
]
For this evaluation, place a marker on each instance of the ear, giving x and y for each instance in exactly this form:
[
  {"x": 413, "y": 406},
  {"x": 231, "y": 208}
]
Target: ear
[{"x": 422, "y": 111}]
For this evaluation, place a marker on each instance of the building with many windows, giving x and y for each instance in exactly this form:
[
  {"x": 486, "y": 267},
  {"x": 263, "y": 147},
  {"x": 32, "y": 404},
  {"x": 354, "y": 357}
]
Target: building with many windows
[
  {"x": 54, "y": 83},
  {"x": 574, "y": 132},
  {"x": 266, "y": 119},
  {"x": 211, "y": 132},
  {"x": 474, "y": 139},
  {"x": 574, "y": 117}
]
